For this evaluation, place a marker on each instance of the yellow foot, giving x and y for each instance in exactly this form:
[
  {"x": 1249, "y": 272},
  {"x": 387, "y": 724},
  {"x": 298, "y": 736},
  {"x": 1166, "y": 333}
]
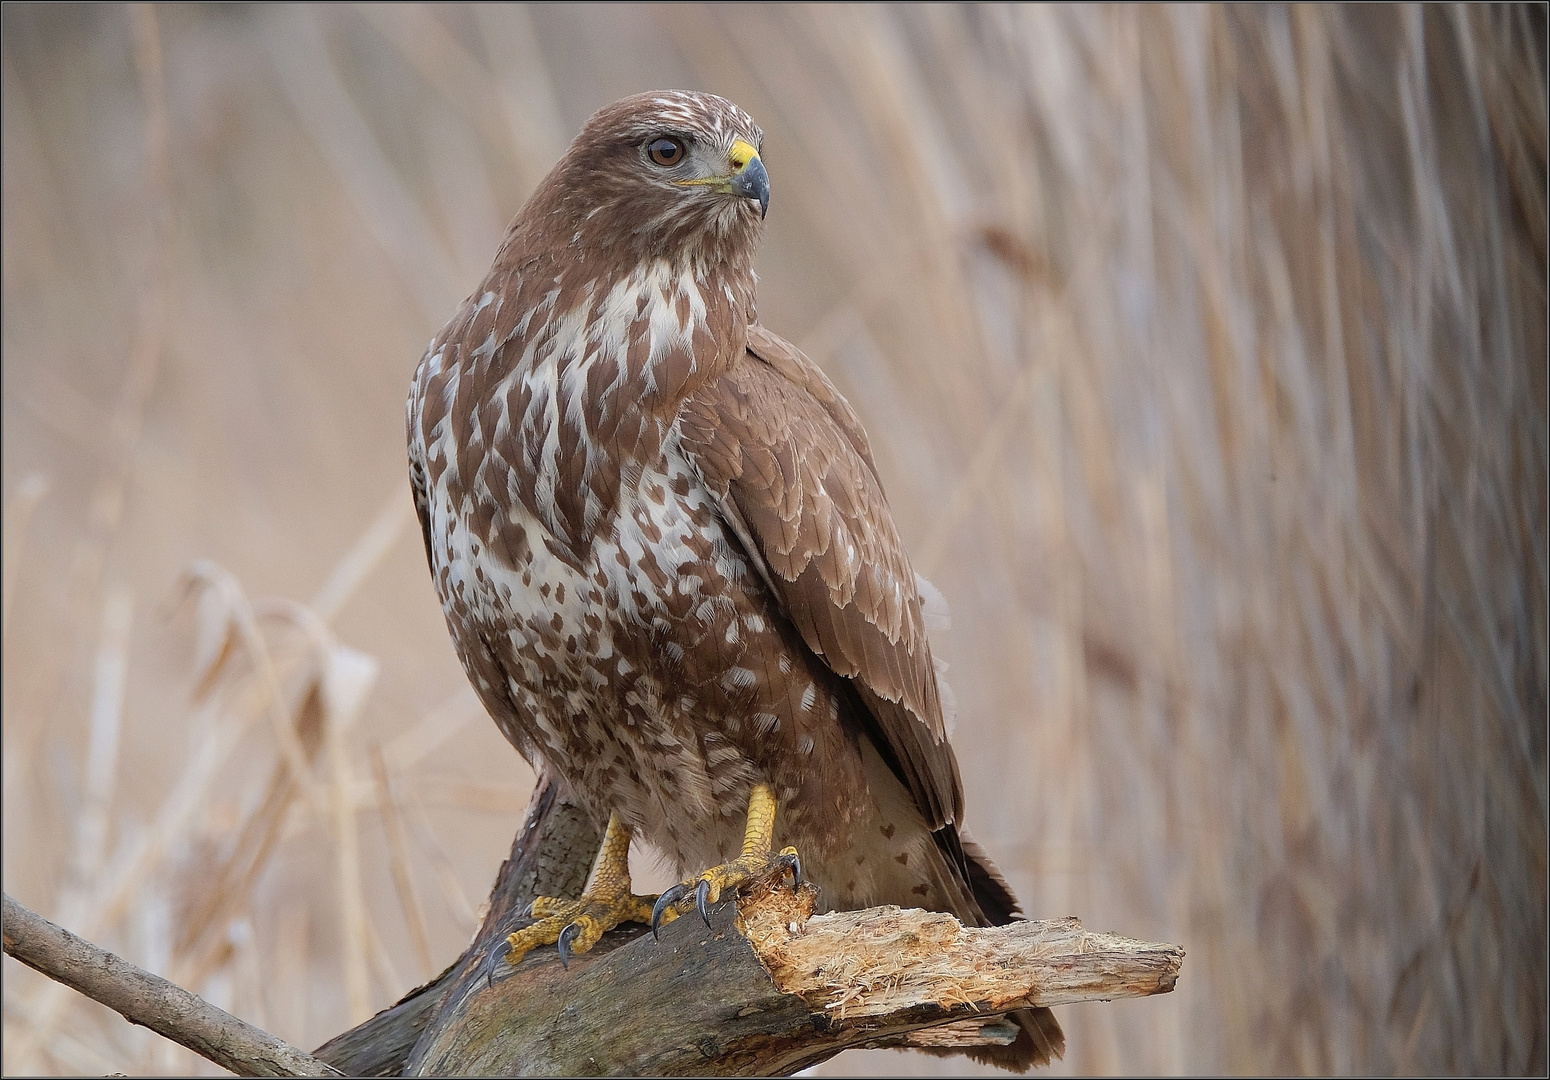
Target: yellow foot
[
  {"x": 754, "y": 864},
  {"x": 576, "y": 925}
]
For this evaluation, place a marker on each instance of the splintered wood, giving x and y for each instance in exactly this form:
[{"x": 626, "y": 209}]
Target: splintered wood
[{"x": 887, "y": 960}]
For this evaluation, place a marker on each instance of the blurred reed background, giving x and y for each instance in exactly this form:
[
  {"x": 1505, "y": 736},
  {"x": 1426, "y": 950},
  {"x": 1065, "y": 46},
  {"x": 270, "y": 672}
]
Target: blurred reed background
[{"x": 1203, "y": 351}]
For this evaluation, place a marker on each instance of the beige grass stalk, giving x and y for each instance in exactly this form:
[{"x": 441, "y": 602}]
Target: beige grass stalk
[
  {"x": 521, "y": 70},
  {"x": 105, "y": 730},
  {"x": 346, "y": 683},
  {"x": 451, "y": 887},
  {"x": 314, "y": 84},
  {"x": 411, "y": 746},
  {"x": 365, "y": 555},
  {"x": 18, "y": 516},
  {"x": 400, "y": 860}
]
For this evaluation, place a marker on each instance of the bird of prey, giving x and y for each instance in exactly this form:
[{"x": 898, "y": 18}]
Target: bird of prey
[{"x": 665, "y": 555}]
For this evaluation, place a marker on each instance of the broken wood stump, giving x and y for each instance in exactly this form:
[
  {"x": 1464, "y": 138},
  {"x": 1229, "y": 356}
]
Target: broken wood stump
[{"x": 766, "y": 989}]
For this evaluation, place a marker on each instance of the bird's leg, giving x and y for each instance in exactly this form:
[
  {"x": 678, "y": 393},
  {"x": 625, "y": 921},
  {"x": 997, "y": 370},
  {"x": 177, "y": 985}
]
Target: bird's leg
[
  {"x": 606, "y": 901},
  {"x": 754, "y": 863}
]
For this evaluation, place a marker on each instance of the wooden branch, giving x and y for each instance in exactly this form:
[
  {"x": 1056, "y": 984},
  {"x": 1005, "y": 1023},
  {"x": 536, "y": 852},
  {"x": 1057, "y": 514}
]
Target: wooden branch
[
  {"x": 770, "y": 989},
  {"x": 151, "y": 1001}
]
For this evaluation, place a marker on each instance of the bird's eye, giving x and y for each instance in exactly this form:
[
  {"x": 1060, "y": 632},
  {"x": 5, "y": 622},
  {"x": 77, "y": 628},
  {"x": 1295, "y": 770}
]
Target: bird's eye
[{"x": 666, "y": 152}]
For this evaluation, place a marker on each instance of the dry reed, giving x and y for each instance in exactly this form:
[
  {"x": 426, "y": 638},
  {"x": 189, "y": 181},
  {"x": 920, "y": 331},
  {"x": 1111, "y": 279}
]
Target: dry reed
[{"x": 1203, "y": 351}]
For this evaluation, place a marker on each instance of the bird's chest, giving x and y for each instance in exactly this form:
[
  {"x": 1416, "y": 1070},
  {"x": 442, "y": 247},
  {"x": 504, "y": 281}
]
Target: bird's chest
[{"x": 602, "y": 653}]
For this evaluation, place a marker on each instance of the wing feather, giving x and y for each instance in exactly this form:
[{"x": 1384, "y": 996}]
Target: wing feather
[{"x": 788, "y": 461}]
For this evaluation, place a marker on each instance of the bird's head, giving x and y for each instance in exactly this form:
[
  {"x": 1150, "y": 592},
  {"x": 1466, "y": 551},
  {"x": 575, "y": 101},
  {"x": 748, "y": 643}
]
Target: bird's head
[{"x": 671, "y": 173}]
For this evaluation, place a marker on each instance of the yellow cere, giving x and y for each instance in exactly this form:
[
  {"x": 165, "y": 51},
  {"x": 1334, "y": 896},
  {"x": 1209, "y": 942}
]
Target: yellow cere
[{"x": 742, "y": 154}]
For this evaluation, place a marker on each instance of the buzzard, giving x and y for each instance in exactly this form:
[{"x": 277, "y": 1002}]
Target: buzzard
[{"x": 665, "y": 556}]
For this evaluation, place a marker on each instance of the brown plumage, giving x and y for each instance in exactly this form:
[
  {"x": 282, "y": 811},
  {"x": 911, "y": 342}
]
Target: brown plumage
[{"x": 663, "y": 549}]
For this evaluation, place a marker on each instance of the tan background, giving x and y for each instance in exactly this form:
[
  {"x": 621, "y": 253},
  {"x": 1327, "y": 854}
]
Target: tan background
[{"x": 1203, "y": 352}]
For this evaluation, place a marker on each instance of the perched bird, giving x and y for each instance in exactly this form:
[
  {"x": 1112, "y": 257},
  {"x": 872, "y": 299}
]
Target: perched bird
[{"x": 665, "y": 555}]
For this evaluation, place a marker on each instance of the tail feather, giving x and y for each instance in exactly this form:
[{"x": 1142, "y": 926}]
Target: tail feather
[
  {"x": 1040, "y": 1040},
  {"x": 990, "y": 889}
]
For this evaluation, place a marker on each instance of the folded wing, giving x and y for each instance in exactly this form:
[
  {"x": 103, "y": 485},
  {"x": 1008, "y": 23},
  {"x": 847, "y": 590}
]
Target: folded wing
[{"x": 788, "y": 460}]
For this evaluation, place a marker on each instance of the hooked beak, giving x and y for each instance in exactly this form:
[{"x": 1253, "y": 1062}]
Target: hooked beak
[
  {"x": 752, "y": 182},
  {"x": 749, "y": 181}
]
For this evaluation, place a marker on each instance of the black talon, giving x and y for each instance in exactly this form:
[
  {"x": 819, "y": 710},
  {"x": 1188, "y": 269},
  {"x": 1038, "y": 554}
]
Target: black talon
[
  {"x": 701, "y": 895},
  {"x": 796, "y": 871},
  {"x": 527, "y": 912},
  {"x": 496, "y": 955},
  {"x": 665, "y": 901},
  {"x": 568, "y": 935}
]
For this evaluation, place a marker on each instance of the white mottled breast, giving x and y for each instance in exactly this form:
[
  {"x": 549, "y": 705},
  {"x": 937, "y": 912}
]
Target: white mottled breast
[
  {"x": 572, "y": 639},
  {"x": 494, "y": 553}
]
